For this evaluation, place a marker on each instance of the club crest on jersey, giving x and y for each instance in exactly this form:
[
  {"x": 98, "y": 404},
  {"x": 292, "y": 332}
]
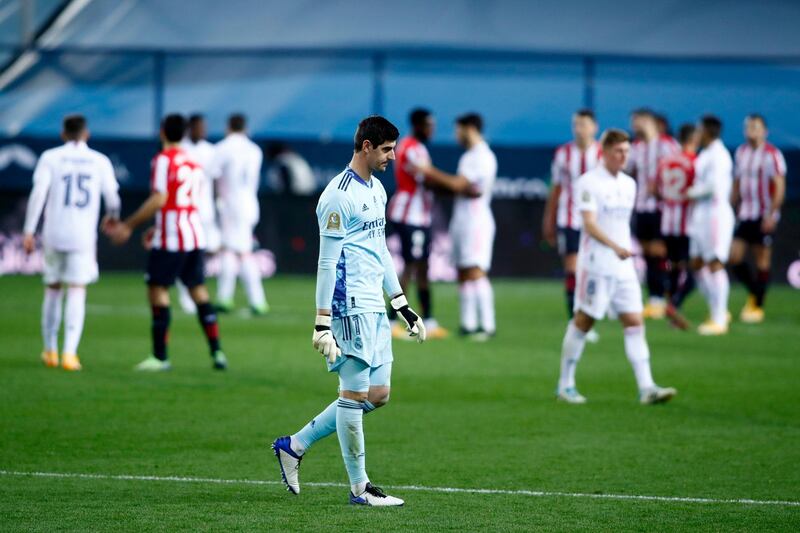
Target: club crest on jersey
[{"x": 334, "y": 221}]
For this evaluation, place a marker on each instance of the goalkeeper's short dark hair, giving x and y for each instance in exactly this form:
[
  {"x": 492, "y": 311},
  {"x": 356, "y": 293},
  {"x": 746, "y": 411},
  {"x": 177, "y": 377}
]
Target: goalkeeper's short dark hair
[{"x": 375, "y": 129}]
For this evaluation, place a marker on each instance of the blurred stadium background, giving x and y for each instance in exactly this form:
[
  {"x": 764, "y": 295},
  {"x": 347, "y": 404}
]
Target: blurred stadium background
[{"x": 305, "y": 72}]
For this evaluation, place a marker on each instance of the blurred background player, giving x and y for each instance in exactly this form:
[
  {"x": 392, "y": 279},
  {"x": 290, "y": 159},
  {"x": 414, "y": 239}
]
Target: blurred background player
[
  {"x": 351, "y": 329},
  {"x": 649, "y": 148},
  {"x": 201, "y": 152},
  {"x": 289, "y": 172},
  {"x": 411, "y": 212},
  {"x": 562, "y": 223},
  {"x": 67, "y": 184},
  {"x": 472, "y": 229},
  {"x": 177, "y": 244},
  {"x": 759, "y": 188},
  {"x": 711, "y": 224},
  {"x": 237, "y": 169},
  {"x": 675, "y": 176},
  {"x": 606, "y": 275}
]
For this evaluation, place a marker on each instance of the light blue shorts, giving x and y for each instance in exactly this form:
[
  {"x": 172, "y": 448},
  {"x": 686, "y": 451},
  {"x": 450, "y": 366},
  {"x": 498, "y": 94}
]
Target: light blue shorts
[
  {"x": 367, "y": 336},
  {"x": 356, "y": 376}
]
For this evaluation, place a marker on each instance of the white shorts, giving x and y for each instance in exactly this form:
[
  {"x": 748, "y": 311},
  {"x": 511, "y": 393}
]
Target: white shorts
[
  {"x": 236, "y": 233},
  {"x": 75, "y": 268},
  {"x": 710, "y": 236},
  {"x": 213, "y": 236},
  {"x": 472, "y": 245},
  {"x": 599, "y": 294}
]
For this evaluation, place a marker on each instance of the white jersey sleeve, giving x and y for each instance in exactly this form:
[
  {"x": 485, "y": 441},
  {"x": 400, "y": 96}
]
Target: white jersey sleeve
[
  {"x": 109, "y": 188},
  {"x": 42, "y": 177},
  {"x": 587, "y": 201}
]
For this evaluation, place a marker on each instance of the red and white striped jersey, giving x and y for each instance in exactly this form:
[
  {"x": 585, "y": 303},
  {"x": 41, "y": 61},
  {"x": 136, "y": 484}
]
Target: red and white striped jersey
[
  {"x": 569, "y": 164},
  {"x": 643, "y": 166},
  {"x": 675, "y": 176},
  {"x": 755, "y": 168},
  {"x": 412, "y": 202},
  {"x": 178, "y": 227}
]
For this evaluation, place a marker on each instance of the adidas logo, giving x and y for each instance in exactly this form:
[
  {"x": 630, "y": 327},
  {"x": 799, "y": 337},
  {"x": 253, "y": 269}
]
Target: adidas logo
[{"x": 364, "y": 208}]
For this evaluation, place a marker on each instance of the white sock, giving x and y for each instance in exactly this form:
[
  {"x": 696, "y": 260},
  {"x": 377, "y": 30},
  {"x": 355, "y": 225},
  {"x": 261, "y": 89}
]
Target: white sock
[
  {"x": 702, "y": 278},
  {"x": 251, "y": 279},
  {"x": 75, "y": 311},
  {"x": 639, "y": 356},
  {"x": 185, "y": 299},
  {"x": 571, "y": 352},
  {"x": 359, "y": 488},
  {"x": 468, "y": 300},
  {"x": 485, "y": 297},
  {"x": 226, "y": 282},
  {"x": 722, "y": 287},
  {"x": 51, "y": 318}
]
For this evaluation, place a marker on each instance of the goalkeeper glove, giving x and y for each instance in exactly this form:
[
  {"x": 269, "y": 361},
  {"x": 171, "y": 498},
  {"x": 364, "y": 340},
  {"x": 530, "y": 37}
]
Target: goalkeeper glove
[
  {"x": 414, "y": 324},
  {"x": 323, "y": 340}
]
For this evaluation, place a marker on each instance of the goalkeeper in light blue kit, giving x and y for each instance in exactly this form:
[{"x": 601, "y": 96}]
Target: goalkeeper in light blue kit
[{"x": 351, "y": 328}]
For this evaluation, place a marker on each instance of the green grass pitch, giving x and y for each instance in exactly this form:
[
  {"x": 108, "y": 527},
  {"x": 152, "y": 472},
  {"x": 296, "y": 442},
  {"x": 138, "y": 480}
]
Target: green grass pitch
[{"x": 472, "y": 416}]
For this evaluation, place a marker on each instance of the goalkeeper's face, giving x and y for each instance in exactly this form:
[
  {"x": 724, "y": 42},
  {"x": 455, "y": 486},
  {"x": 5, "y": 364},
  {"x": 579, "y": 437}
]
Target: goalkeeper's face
[{"x": 378, "y": 158}]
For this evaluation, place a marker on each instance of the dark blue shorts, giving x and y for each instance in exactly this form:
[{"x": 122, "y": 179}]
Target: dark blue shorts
[
  {"x": 415, "y": 242},
  {"x": 568, "y": 241}
]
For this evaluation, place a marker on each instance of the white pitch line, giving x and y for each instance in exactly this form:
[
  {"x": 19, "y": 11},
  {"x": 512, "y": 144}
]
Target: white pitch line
[{"x": 458, "y": 490}]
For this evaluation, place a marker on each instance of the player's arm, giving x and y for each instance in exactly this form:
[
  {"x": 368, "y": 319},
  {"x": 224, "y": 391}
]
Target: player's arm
[
  {"x": 736, "y": 194},
  {"x": 122, "y": 232},
  {"x": 549, "y": 217},
  {"x": 703, "y": 186},
  {"x": 587, "y": 205},
  {"x": 453, "y": 183},
  {"x": 42, "y": 176},
  {"x": 330, "y": 249},
  {"x": 778, "y": 190},
  {"x": 593, "y": 229},
  {"x": 398, "y": 301},
  {"x": 109, "y": 188}
]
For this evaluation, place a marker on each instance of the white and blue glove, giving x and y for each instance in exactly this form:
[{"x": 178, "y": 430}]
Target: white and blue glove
[
  {"x": 414, "y": 324},
  {"x": 323, "y": 340}
]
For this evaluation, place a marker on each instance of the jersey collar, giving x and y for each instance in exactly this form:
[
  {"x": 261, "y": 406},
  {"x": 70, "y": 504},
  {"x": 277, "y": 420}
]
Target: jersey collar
[{"x": 358, "y": 178}]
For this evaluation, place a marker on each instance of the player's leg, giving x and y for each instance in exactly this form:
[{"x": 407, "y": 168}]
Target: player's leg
[
  {"x": 591, "y": 303},
  {"x": 162, "y": 269},
  {"x": 742, "y": 239},
  {"x": 184, "y": 298},
  {"x": 655, "y": 257},
  {"x": 762, "y": 253},
  {"x": 226, "y": 281},
  {"x": 192, "y": 275},
  {"x": 51, "y": 322},
  {"x": 80, "y": 270},
  {"x": 251, "y": 279},
  {"x": 74, "y": 316},
  {"x": 571, "y": 351},
  {"x": 681, "y": 279},
  {"x": 638, "y": 353},
  {"x": 53, "y": 274},
  {"x": 720, "y": 290},
  {"x": 626, "y": 300},
  {"x": 568, "y": 243},
  {"x": 354, "y": 378}
]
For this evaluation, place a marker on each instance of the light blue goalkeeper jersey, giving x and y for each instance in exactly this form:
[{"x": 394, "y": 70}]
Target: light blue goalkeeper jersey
[{"x": 351, "y": 214}]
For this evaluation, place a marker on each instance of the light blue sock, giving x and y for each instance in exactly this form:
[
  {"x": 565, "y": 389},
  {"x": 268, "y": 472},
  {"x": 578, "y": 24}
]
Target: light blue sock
[
  {"x": 349, "y": 427},
  {"x": 320, "y": 427}
]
